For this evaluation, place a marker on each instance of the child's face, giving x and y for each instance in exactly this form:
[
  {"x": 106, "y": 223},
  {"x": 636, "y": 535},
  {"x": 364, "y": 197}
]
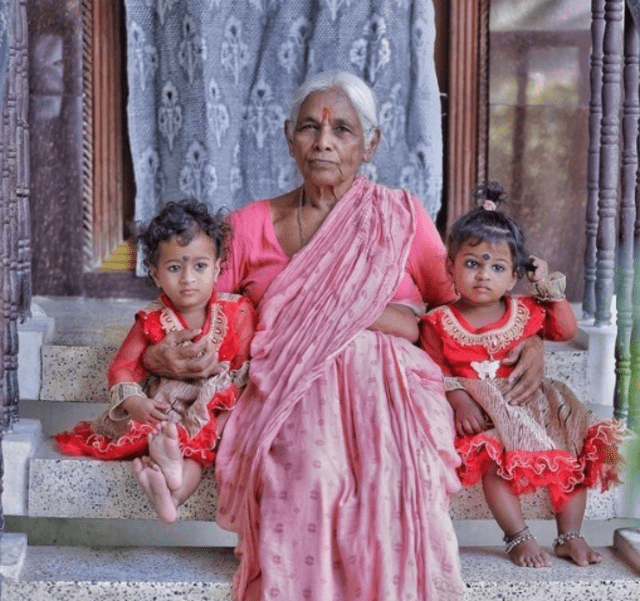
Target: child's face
[
  {"x": 483, "y": 274},
  {"x": 186, "y": 274}
]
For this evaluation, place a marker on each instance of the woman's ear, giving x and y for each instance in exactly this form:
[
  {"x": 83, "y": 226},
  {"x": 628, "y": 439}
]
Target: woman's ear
[
  {"x": 288, "y": 134},
  {"x": 370, "y": 148}
]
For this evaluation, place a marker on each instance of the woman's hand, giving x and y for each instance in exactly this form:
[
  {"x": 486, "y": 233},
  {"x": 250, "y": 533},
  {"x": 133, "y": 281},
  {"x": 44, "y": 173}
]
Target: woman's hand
[
  {"x": 527, "y": 375},
  {"x": 469, "y": 416},
  {"x": 145, "y": 410},
  {"x": 398, "y": 321},
  {"x": 174, "y": 359}
]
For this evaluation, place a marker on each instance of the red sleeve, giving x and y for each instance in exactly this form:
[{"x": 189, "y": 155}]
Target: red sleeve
[
  {"x": 431, "y": 342},
  {"x": 231, "y": 274},
  {"x": 427, "y": 261},
  {"x": 127, "y": 364},
  {"x": 245, "y": 327},
  {"x": 560, "y": 321}
]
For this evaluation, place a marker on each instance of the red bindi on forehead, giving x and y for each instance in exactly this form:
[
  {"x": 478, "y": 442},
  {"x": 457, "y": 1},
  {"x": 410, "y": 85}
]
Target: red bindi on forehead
[{"x": 326, "y": 113}]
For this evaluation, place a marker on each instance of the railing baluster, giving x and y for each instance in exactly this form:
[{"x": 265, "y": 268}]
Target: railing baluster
[
  {"x": 593, "y": 166},
  {"x": 7, "y": 343},
  {"x": 23, "y": 178},
  {"x": 624, "y": 281},
  {"x": 13, "y": 89},
  {"x": 609, "y": 174}
]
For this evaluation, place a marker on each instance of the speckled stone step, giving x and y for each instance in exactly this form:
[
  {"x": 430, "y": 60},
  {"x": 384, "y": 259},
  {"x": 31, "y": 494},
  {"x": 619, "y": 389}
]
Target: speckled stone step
[
  {"x": 89, "y": 331},
  {"x": 166, "y": 574},
  {"x": 78, "y": 373},
  {"x": 91, "y": 488}
]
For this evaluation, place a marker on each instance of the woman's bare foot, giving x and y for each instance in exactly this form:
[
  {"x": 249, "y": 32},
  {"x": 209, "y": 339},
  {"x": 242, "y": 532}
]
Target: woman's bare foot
[
  {"x": 165, "y": 451},
  {"x": 154, "y": 484},
  {"x": 578, "y": 551},
  {"x": 528, "y": 554}
]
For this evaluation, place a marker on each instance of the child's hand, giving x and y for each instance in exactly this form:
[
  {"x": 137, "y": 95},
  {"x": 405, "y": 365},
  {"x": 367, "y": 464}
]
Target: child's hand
[
  {"x": 540, "y": 271},
  {"x": 469, "y": 416},
  {"x": 145, "y": 410}
]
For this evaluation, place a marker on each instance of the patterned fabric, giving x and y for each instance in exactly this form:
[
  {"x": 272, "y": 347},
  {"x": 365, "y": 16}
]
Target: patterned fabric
[
  {"x": 6, "y": 19},
  {"x": 338, "y": 459},
  {"x": 210, "y": 84}
]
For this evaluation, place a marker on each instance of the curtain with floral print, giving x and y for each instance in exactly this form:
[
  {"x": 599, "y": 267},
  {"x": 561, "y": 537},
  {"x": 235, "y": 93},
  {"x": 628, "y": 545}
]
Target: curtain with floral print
[
  {"x": 6, "y": 20},
  {"x": 210, "y": 84}
]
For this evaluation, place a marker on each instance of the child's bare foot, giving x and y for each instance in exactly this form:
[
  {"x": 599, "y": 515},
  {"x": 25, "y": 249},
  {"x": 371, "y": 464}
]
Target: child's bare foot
[
  {"x": 528, "y": 554},
  {"x": 576, "y": 548},
  {"x": 165, "y": 451},
  {"x": 154, "y": 484}
]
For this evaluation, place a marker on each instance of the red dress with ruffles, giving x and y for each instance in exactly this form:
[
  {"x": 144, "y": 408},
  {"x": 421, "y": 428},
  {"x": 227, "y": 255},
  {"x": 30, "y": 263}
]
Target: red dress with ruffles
[
  {"x": 553, "y": 440},
  {"x": 229, "y": 325}
]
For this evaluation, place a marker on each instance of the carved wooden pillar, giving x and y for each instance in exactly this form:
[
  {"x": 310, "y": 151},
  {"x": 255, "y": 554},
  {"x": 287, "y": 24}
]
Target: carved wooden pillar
[
  {"x": 609, "y": 158},
  {"x": 624, "y": 281},
  {"x": 593, "y": 167},
  {"x": 468, "y": 102}
]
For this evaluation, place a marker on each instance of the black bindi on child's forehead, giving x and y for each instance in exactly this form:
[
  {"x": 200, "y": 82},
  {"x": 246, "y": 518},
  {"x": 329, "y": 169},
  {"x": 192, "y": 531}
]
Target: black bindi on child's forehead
[
  {"x": 486, "y": 256},
  {"x": 185, "y": 258}
]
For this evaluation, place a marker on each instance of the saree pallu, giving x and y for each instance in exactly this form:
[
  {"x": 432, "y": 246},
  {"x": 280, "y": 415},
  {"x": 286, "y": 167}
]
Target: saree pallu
[{"x": 337, "y": 463}]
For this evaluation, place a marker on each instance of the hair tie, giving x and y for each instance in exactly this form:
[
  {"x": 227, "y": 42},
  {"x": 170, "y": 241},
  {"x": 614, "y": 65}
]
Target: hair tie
[{"x": 489, "y": 205}]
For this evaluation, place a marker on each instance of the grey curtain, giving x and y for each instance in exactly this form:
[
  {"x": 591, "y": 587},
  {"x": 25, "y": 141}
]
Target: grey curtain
[
  {"x": 210, "y": 84},
  {"x": 6, "y": 21}
]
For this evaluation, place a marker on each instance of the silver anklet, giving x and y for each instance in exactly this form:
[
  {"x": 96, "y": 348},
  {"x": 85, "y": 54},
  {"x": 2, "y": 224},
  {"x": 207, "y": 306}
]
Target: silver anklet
[
  {"x": 516, "y": 539},
  {"x": 567, "y": 536}
]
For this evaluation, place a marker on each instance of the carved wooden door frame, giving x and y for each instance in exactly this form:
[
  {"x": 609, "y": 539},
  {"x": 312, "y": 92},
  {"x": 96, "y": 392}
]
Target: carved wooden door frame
[{"x": 468, "y": 106}]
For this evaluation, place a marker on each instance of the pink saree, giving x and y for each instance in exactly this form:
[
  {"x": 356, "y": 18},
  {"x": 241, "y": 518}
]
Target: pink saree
[{"x": 337, "y": 462}]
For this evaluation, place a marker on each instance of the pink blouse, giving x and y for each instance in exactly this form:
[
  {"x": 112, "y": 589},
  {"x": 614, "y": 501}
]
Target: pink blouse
[{"x": 255, "y": 258}]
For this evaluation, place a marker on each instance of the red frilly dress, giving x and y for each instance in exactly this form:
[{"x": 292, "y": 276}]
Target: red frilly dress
[
  {"x": 229, "y": 325},
  {"x": 553, "y": 440}
]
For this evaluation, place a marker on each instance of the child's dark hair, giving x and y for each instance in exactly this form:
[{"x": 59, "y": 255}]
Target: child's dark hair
[
  {"x": 182, "y": 220},
  {"x": 488, "y": 225}
]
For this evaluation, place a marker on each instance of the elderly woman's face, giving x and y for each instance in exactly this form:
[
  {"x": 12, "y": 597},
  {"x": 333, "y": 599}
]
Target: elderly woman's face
[{"x": 327, "y": 142}]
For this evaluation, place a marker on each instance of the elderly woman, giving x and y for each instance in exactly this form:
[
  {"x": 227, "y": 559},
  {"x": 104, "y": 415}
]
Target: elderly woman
[{"x": 337, "y": 463}]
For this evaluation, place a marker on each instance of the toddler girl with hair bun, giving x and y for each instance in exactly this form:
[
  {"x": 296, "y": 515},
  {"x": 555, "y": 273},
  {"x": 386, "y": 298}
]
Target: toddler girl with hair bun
[{"x": 551, "y": 440}]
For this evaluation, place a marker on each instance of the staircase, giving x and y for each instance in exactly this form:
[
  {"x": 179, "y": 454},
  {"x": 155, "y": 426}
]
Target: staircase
[{"x": 80, "y": 529}]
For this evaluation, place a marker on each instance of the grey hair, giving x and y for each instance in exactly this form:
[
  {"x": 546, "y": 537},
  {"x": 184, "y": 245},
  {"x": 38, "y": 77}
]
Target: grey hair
[{"x": 356, "y": 90}]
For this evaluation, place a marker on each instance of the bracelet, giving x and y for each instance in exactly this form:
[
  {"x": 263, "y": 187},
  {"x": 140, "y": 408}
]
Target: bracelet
[
  {"x": 452, "y": 384},
  {"x": 567, "y": 536},
  {"x": 120, "y": 392},
  {"x": 550, "y": 289}
]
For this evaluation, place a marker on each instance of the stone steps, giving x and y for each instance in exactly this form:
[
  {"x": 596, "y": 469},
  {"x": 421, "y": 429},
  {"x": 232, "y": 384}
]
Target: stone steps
[
  {"x": 90, "y": 488},
  {"x": 73, "y": 373},
  {"x": 87, "y": 333},
  {"x": 198, "y": 574}
]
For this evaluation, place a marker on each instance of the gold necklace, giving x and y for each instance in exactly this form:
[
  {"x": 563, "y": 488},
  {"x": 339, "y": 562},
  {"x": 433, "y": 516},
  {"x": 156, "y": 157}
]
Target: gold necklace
[{"x": 303, "y": 240}]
